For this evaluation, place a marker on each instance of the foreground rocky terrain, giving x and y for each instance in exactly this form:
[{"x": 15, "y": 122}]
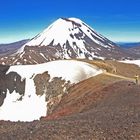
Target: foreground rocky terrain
[
  {"x": 114, "y": 116},
  {"x": 102, "y": 107}
]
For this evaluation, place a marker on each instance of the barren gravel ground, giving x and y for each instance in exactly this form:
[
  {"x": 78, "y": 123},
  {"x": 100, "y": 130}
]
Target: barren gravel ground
[
  {"x": 104, "y": 107},
  {"x": 116, "y": 116}
]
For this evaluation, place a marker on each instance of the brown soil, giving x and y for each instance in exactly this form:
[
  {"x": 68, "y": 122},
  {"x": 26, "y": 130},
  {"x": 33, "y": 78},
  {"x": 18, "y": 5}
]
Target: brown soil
[
  {"x": 116, "y": 116},
  {"x": 119, "y": 68},
  {"x": 104, "y": 107}
]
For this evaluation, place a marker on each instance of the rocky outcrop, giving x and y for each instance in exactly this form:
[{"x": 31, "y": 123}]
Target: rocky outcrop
[
  {"x": 10, "y": 82},
  {"x": 54, "y": 89}
]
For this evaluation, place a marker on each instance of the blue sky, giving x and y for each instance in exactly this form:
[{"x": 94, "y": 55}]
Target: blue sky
[{"x": 118, "y": 20}]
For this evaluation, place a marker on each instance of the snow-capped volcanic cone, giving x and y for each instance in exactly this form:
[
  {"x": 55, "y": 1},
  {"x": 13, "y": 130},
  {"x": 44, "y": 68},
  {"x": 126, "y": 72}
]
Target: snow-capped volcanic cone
[
  {"x": 66, "y": 38},
  {"x": 72, "y": 38}
]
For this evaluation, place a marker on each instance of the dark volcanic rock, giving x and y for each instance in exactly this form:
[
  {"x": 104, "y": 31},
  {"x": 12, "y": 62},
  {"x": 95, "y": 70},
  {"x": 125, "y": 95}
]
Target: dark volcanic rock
[
  {"x": 53, "y": 89},
  {"x": 10, "y": 82}
]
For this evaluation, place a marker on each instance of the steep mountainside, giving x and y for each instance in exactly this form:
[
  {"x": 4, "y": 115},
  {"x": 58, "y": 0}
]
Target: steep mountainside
[{"x": 66, "y": 38}]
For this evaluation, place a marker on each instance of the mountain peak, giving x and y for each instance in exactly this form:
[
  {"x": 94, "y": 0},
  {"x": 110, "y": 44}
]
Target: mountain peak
[
  {"x": 66, "y": 38},
  {"x": 70, "y": 33},
  {"x": 72, "y": 19}
]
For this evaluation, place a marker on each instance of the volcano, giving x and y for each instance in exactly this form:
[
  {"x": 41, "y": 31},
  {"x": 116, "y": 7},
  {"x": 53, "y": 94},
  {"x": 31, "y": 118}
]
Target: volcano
[{"x": 66, "y": 38}]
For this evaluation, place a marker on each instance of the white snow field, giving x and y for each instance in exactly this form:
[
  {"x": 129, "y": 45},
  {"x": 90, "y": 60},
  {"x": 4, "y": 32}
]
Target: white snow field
[
  {"x": 32, "y": 107},
  {"x": 136, "y": 62}
]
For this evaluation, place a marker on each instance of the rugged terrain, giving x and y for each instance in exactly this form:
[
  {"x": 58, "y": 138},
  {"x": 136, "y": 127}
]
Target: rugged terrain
[
  {"x": 115, "y": 116},
  {"x": 102, "y": 107},
  {"x": 67, "y": 38},
  {"x": 11, "y": 48},
  {"x": 41, "y": 85},
  {"x": 135, "y": 50}
]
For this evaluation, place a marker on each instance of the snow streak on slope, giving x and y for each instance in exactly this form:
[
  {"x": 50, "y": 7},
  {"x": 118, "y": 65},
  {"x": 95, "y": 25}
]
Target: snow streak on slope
[
  {"x": 137, "y": 62},
  {"x": 61, "y": 31},
  {"x": 70, "y": 70},
  {"x": 32, "y": 107},
  {"x": 73, "y": 36}
]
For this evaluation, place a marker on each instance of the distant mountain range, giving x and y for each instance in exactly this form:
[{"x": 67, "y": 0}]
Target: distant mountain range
[
  {"x": 10, "y": 48},
  {"x": 128, "y": 44},
  {"x": 135, "y": 50},
  {"x": 131, "y": 47}
]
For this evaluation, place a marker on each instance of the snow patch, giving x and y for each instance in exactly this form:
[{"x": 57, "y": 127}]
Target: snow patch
[
  {"x": 3, "y": 63},
  {"x": 27, "y": 109},
  {"x": 70, "y": 70},
  {"x": 136, "y": 62},
  {"x": 32, "y": 107}
]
